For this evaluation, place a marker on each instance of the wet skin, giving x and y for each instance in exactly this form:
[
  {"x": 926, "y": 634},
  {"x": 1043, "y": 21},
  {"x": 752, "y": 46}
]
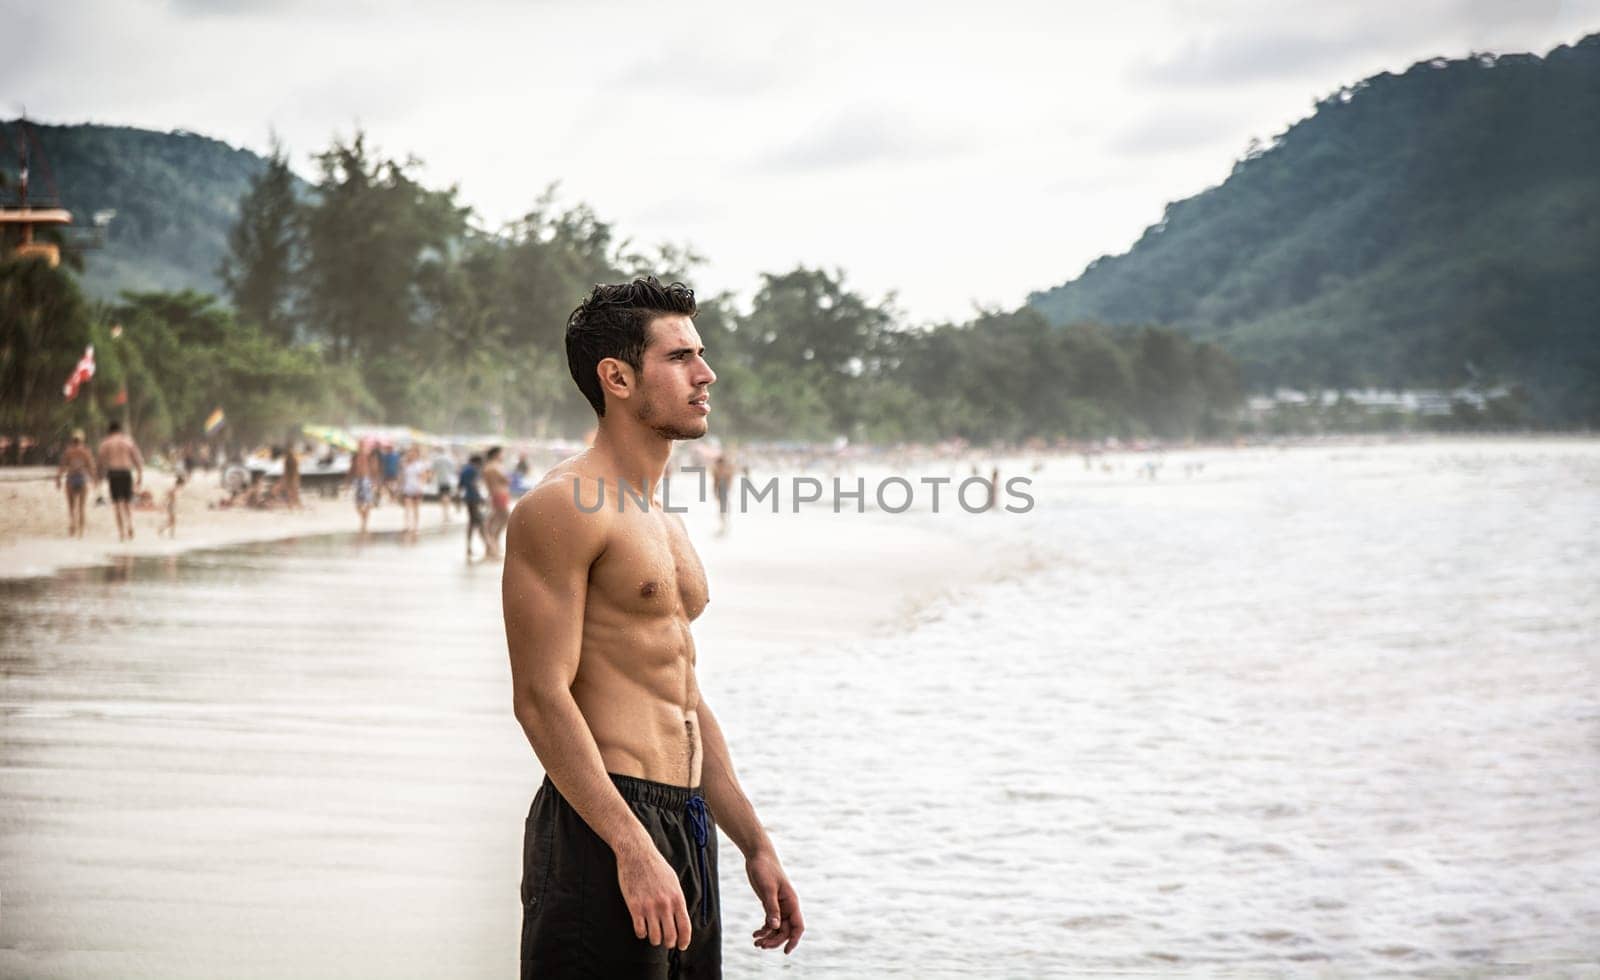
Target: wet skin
[{"x": 598, "y": 603}]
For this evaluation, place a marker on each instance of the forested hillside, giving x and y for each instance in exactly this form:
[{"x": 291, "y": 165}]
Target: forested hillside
[
  {"x": 176, "y": 196},
  {"x": 1437, "y": 227}
]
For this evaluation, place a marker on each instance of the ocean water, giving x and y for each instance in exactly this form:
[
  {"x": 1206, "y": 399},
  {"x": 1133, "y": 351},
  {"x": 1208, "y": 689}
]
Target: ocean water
[
  {"x": 1328, "y": 710},
  {"x": 1321, "y": 710}
]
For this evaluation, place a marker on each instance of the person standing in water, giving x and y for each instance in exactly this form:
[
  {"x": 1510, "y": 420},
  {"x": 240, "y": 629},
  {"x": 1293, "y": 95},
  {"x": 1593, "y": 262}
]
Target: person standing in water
[
  {"x": 77, "y": 467},
  {"x": 619, "y": 853},
  {"x": 123, "y": 467}
]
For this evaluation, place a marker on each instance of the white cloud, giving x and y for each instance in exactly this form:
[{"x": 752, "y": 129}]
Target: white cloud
[
  {"x": 858, "y": 138},
  {"x": 1176, "y": 131}
]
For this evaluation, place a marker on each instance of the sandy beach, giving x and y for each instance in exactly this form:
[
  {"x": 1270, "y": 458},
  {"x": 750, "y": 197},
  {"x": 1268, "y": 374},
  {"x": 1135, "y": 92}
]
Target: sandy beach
[
  {"x": 33, "y": 521},
  {"x": 421, "y": 730}
]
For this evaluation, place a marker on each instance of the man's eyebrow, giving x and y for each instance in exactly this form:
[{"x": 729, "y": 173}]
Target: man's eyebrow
[{"x": 685, "y": 350}]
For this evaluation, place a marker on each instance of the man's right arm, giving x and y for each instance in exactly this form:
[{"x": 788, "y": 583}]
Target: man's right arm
[{"x": 550, "y": 546}]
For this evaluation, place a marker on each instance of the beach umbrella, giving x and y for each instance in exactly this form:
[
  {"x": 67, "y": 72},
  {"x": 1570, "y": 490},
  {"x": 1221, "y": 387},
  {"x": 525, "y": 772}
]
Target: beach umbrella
[{"x": 332, "y": 436}]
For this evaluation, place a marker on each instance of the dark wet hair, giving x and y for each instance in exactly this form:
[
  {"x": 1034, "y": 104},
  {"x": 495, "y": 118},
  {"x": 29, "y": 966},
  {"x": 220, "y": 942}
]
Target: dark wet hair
[
  {"x": 114, "y": 426},
  {"x": 493, "y": 453},
  {"x": 475, "y": 459},
  {"x": 613, "y": 321}
]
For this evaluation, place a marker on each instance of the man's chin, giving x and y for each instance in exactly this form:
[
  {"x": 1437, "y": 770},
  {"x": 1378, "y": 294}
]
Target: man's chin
[{"x": 682, "y": 433}]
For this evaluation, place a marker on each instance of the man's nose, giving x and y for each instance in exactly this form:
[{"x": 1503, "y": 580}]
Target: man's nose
[{"x": 706, "y": 376}]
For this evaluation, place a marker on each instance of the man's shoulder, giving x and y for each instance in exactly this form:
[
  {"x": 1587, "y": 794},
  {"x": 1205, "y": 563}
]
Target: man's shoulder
[
  {"x": 559, "y": 513},
  {"x": 569, "y": 486}
]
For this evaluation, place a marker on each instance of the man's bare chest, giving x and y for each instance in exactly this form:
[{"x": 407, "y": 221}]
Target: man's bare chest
[{"x": 650, "y": 567}]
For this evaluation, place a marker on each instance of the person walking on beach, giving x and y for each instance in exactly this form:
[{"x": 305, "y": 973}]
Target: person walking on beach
[
  {"x": 444, "y": 471},
  {"x": 472, "y": 500},
  {"x": 364, "y": 473},
  {"x": 414, "y": 473},
  {"x": 390, "y": 458},
  {"x": 77, "y": 467},
  {"x": 123, "y": 467},
  {"x": 171, "y": 504},
  {"x": 722, "y": 485},
  {"x": 290, "y": 485},
  {"x": 499, "y": 487},
  {"x": 519, "y": 478},
  {"x": 619, "y": 871}
]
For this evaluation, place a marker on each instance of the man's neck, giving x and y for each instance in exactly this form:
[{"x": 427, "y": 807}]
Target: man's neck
[{"x": 638, "y": 455}]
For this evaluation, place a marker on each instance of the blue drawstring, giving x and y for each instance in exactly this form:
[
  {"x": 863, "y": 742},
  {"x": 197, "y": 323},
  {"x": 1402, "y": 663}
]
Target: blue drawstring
[{"x": 698, "y": 822}]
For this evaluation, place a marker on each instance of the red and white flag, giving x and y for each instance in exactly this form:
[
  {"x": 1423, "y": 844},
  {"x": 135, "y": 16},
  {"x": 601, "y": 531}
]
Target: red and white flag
[{"x": 83, "y": 372}]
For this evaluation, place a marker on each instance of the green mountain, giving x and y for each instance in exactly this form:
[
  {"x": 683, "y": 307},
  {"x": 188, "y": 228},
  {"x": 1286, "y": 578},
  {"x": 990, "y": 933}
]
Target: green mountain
[
  {"x": 1433, "y": 228},
  {"x": 176, "y": 196}
]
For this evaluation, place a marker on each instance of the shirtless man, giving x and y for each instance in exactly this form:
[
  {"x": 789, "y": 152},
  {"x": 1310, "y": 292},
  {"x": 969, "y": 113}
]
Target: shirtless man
[
  {"x": 77, "y": 465},
  {"x": 619, "y": 851},
  {"x": 123, "y": 468},
  {"x": 365, "y": 470},
  {"x": 498, "y": 484}
]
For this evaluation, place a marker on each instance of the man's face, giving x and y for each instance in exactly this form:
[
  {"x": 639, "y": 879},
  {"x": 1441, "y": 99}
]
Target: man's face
[{"x": 674, "y": 380}]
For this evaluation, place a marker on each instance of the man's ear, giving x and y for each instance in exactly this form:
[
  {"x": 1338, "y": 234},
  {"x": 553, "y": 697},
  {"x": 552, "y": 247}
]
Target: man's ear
[{"x": 616, "y": 377}]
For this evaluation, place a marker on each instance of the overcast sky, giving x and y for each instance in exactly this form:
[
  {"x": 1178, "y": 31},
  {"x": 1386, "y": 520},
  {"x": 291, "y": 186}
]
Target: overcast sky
[{"x": 955, "y": 154}]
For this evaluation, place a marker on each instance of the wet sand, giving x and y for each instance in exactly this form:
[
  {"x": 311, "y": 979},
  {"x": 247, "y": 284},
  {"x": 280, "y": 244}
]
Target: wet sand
[
  {"x": 1325, "y": 709},
  {"x": 33, "y": 523},
  {"x": 298, "y": 758}
]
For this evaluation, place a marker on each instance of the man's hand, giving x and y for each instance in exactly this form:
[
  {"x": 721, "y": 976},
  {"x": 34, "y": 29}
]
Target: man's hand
[
  {"x": 784, "y": 924},
  {"x": 654, "y": 897}
]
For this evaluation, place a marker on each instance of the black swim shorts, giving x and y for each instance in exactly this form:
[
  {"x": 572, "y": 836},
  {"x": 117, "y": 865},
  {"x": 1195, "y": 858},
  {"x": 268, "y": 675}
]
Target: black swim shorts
[
  {"x": 121, "y": 485},
  {"x": 574, "y": 921}
]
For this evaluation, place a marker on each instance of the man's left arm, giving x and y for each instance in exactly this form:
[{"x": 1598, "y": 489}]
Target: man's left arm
[{"x": 734, "y": 814}]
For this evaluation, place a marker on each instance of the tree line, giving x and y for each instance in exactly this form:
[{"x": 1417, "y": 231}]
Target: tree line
[{"x": 370, "y": 297}]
